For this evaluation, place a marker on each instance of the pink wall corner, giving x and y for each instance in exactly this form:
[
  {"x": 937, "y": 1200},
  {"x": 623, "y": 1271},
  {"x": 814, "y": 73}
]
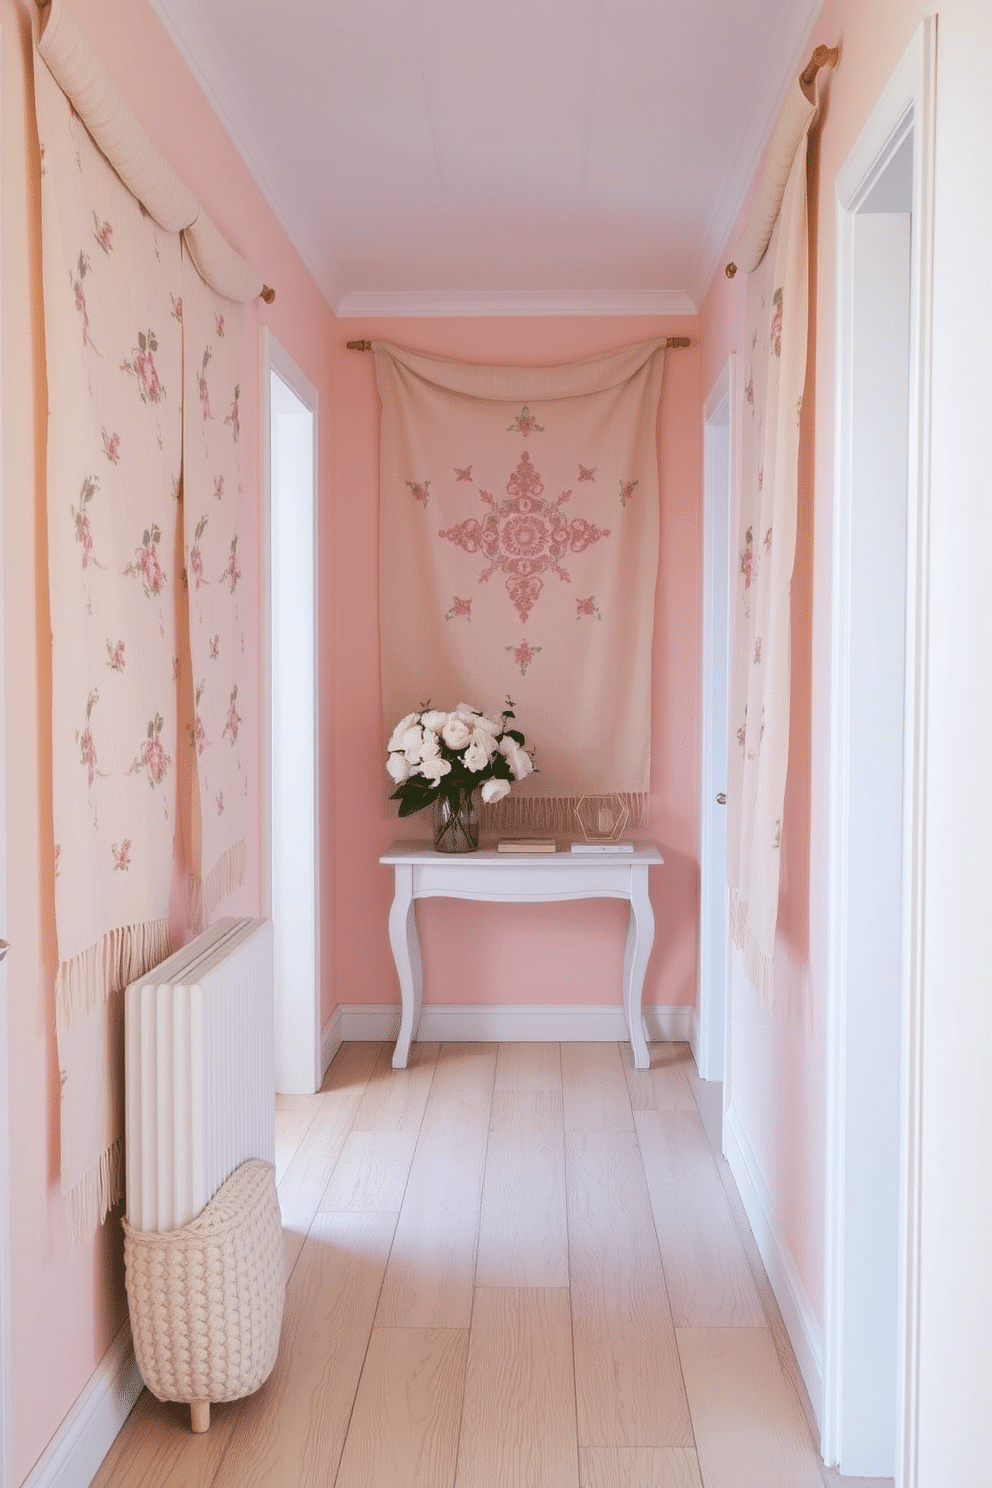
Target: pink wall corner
[
  {"x": 66, "y": 1308},
  {"x": 515, "y": 954}
]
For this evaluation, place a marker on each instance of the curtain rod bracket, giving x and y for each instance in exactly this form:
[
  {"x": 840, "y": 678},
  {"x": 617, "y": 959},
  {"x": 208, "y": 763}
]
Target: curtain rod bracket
[{"x": 823, "y": 56}]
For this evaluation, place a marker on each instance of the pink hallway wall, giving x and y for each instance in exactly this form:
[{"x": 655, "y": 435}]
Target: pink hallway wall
[
  {"x": 66, "y": 1309},
  {"x": 776, "y": 1063},
  {"x": 524, "y": 953}
]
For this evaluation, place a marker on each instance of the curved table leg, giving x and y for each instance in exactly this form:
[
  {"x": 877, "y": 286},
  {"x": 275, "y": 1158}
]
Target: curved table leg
[
  {"x": 405, "y": 942},
  {"x": 640, "y": 939}
]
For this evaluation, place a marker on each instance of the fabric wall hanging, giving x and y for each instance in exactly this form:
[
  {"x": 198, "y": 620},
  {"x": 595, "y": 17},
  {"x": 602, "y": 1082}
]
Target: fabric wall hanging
[
  {"x": 774, "y": 252},
  {"x": 119, "y": 285},
  {"x": 218, "y": 786},
  {"x": 112, "y": 286},
  {"x": 518, "y": 557}
]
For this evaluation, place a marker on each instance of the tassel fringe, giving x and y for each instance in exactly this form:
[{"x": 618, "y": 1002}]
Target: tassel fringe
[
  {"x": 552, "y": 815},
  {"x": 225, "y": 876},
  {"x": 91, "y": 1198},
  {"x": 757, "y": 963},
  {"x": 85, "y": 981}
]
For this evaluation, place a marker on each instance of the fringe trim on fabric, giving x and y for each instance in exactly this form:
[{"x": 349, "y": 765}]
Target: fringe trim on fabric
[
  {"x": 91, "y": 1198},
  {"x": 757, "y": 962},
  {"x": 85, "y": 981},
  {"x": 553, "y": 815},
  {"x": 225, "y": 876}
]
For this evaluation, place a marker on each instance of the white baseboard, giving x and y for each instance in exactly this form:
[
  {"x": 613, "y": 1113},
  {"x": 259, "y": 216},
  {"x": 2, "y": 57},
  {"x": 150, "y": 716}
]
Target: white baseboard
[
  {"x": 75, "y": 1453},
  {"x": 511, "y": 1023},
  {"x": 805, "y": 1332}
]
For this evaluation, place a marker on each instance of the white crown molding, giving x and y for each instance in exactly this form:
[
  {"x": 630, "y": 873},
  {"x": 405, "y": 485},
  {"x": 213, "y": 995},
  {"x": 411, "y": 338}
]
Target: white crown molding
[{"x": 433, "y": 304}]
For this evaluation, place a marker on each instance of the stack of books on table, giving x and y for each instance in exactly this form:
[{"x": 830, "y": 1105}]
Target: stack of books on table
[{"x": 526, "y": 845}]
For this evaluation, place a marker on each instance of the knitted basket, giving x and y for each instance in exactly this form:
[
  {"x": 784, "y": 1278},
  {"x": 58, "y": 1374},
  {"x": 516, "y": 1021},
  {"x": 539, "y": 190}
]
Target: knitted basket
[{"x": 206, "y": 1300}]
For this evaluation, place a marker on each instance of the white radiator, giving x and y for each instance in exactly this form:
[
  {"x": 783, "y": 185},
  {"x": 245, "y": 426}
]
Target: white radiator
[{"x": 199, "y": 1072}]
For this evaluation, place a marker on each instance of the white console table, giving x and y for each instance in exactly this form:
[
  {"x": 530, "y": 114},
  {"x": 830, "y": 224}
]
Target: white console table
[{"x": 421, "y": 873}]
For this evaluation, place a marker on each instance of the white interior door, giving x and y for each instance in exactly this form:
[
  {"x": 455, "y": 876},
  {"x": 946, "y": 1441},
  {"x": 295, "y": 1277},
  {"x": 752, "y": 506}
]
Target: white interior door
[
  {"x": 292, "y": 858},
  {"x": 713, "y": 920}
]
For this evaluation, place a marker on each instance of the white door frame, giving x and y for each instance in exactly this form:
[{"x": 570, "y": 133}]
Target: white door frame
[
  {"x": 290, "y": 755},
  {"x": 6, "y": 1417},
  {"x": 905, "y": 109},
  {"x": 719, "y": 444}
]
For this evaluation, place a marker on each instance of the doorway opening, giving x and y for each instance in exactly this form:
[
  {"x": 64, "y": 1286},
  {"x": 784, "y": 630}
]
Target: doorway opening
[
  {"x": 290, "y": 771},
  {"x": 714, "y": 940},
  {"x": 883, "y": 212}
]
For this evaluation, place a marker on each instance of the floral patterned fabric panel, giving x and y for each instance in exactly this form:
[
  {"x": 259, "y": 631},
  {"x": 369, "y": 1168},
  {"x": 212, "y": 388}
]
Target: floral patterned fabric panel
[
  {"x": 774, "y": 378},
  {"x": 519, "y": 550},
  {"x": 217, "y": 781},
  {"x": 113, "y": 287}
]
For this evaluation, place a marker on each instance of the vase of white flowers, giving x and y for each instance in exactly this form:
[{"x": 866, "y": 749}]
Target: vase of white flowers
[{"x": 448, "y": 761}]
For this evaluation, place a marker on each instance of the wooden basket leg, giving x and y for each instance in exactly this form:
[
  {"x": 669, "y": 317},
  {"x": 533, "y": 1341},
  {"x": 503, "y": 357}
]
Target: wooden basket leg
[{"x": 199, "y": 1415}]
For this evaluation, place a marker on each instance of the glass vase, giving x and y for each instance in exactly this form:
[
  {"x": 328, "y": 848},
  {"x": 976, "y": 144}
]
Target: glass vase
[{"x": 456, "y": 823}]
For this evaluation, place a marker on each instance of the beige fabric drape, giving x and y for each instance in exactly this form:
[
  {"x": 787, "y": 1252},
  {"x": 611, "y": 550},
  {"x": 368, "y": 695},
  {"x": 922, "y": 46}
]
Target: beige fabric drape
[
  {"x": 138, "y": 162},
  {"x": 774, "y": 379},
  {"x": 519, "y": 551},
  {"x": 212, "y": 342},
  {"x": 112, "y": 284}
]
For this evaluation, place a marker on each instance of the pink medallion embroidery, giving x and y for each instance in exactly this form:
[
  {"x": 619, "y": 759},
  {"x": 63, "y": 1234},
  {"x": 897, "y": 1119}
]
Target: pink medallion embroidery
[
  {"x": 587, "y": 608},
  {"x": 523, "y": 654},
  {"x": 420, "y": 490},
  {"x": 587, "y": 472},
  {"x": 461, "y": 609},
  {"x": 142, "y": 366},
  {"x": 524, "y": 536},
  {"x": 465, "y": 474},
  {"x": 525, "y": 423}
]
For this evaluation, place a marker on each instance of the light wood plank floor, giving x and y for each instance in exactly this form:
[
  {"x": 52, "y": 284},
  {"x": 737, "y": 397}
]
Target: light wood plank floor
[{"x": 508, "y": 1266}]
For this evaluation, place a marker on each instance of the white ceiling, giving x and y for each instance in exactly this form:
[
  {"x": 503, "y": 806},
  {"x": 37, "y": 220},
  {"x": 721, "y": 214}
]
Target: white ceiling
[{"x": 528, "y": 156}]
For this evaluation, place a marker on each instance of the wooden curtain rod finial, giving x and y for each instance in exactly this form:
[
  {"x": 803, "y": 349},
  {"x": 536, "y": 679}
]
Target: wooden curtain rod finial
[
  {"x": 359, "y": 345},
  {"x": 267, "y": 294},
  {"x": 730, "y": 270},
  {"x": 823, "y": 56},
  {"x": 674, "y": 342}
]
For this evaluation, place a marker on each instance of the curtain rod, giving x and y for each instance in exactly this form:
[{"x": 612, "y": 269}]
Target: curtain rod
[
  {"x": 823, "y": 56},
  {"x": 671, "y": 344}
]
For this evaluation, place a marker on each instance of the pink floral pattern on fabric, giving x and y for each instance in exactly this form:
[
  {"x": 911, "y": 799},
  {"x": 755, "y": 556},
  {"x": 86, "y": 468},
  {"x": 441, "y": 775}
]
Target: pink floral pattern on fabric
[
  {"x": 525, "y": 423},
  {"x": 141, "y": 366},
  {"x": 420, "y": 491},
  {"x": 524, "y": 536},
  {"x": 461, "y": 609},
  {"x": 587, "y": 609},
  {"x": 523, "y": 654},
  {"x": 464, "y": 474}
]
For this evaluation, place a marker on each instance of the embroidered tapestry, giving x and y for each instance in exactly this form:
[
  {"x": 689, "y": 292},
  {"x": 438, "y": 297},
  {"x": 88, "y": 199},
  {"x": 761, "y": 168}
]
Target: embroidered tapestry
[
  {"x": 518, "y": 558},
  {"x": 774, "y": 379},
  {"x": 217, "y": 783},
  {"x": 114, "y": 344}
]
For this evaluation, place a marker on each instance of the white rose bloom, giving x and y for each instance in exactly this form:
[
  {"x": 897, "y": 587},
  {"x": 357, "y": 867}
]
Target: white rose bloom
[
  {"x": 410, "y": 743},
  {"x": 476, "y": 756},
  {"x": 518, "y": 759},
  {"x": 481, "y": 722},
  {"x": 434, "y": 720},
  {"x": 432, "y": 770},
  {"x": 495, "y": 790},
  {"x": 456, "y": 732},
  {"x": 465, "y": 710},
  {"x": 399, "y": 767},
  {"x": 396, "y": 739},
  {"x": 429, "y": 747}
]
